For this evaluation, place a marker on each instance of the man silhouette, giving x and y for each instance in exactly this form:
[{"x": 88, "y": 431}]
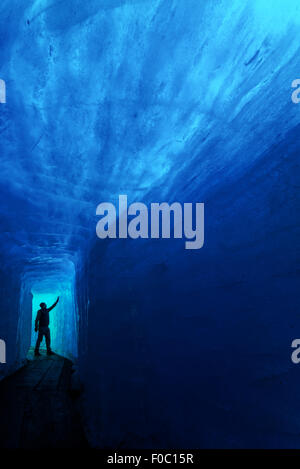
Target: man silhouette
[{"x": 42, "y": 325}]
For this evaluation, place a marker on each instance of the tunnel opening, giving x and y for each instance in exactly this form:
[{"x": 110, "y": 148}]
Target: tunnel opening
[
  {"x": 63, "y": 319},
  {"x": 45, "y": 382},
  {"x": 44, "y": 282}
]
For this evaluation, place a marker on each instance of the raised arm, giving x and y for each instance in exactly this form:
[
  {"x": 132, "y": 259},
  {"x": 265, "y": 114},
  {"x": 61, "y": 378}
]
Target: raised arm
[{"x": 54, "y": 304}]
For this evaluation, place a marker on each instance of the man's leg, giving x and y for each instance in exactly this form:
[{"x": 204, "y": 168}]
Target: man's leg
[
  {"x": 38, "y": 342},
  {"x": 47, "y": 336}
]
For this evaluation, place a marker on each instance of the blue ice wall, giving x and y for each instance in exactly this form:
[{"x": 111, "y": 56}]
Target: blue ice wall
[
  {"x": 182, "y": 101},
  {"x": 9, "y": 317}
]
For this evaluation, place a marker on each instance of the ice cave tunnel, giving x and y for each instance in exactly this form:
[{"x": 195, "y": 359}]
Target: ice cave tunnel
[{"x": 164, "y": 101}]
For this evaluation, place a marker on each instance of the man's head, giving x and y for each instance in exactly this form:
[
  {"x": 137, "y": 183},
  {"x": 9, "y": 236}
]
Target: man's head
[{"x": 43, "y": 305}]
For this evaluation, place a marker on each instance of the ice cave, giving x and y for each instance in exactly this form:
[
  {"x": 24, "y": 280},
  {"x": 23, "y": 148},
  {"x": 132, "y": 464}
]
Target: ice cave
[{"x": 164, "y": 101}]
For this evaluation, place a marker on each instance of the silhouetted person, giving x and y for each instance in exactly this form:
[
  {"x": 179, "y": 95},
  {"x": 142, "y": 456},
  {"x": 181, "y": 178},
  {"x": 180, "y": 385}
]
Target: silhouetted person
[{"x": 42, "y": 325}]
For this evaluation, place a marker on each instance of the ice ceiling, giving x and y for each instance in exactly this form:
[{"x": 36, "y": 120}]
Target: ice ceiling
[{"x": 155, "y": 99}]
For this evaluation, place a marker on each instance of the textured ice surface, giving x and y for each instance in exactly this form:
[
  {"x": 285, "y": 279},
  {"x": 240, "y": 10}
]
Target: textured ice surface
[
  {"x": 164, "y": 101},
  {"x": 149, "y": 98}
]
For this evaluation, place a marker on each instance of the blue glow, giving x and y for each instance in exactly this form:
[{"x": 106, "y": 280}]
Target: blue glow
[
  {"x": 62, "y": 321},
  {"x": 63, "y": 318},
  {"x": 181, "y": 100}
]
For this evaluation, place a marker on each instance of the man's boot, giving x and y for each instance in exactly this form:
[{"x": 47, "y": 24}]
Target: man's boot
[
  {"x": 49, "y": 352},
  {"x": 37, "y": 353}
]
